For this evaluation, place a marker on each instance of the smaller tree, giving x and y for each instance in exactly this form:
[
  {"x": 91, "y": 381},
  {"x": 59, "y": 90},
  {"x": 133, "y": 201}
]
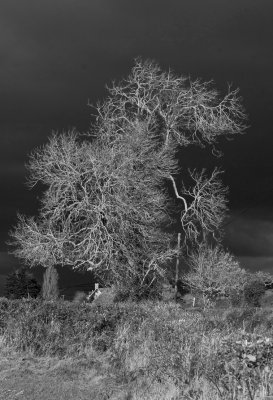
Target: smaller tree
[
  {"x": 50, "y": 290},
  {"x": 214, "y": 272},
  {"x": 21, "y": 283}
]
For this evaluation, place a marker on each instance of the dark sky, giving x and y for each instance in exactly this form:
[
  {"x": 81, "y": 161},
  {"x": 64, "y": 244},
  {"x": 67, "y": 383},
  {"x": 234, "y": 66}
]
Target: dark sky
[{"x": 55, "y": 55}]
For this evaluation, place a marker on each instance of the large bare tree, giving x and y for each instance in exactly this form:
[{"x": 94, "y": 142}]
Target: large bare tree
[{"x": 106, "y": 205}]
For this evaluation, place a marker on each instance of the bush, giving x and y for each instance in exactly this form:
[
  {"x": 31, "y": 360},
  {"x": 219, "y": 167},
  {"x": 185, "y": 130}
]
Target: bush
[
  {"x": 253, "y": 291},
  {"x": 59, "y": 328},
  {"x": 236, "y": 298},
  {"x": 237, "y": 317},
  {"x": 213, "y": 272},
  {"x": 240, "y": 365},
  {"x": 40, "y": 327},
  {"x": 261, "y": 321},
  {"x": 136, "y": 291}
]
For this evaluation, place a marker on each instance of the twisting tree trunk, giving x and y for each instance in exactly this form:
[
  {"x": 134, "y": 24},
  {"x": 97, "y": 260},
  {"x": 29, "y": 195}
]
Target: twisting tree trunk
[{"x": 50, "y": 290}]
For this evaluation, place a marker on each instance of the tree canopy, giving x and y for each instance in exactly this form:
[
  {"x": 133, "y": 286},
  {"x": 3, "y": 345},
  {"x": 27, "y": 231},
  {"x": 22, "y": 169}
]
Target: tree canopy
[{"x": 105, "y": 205}]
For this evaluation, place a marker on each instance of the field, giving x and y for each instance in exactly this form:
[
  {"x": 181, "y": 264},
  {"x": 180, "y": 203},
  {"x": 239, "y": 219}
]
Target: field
[{"x": 147, "y": 350}]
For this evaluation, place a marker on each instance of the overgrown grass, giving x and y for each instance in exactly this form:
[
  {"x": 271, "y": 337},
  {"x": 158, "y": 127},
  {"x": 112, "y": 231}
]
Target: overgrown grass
[{"x": 152, "y": 350}]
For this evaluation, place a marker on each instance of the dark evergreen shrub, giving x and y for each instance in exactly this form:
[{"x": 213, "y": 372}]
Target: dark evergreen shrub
[
  {"x": 183, "y": 288},
  {"x": 21, "y": 283}
]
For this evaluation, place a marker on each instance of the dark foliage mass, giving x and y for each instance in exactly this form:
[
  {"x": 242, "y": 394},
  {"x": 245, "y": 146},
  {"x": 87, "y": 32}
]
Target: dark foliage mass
[
  {"x": 21, "y": 283},
  {"x": 253, "y": 291}
]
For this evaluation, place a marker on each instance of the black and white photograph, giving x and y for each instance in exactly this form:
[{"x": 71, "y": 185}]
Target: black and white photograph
[{"x": 136, "y": 207}]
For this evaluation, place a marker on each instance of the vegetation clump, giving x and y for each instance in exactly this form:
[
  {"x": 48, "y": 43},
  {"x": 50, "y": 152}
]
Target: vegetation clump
[
  {"x": 214, "y": 272},
  {"x": 253, "y": 291},
  {"x": 236, "y": 297},
  {"x": 21, "y": 283},
  {"x": 245, "y": 364}
]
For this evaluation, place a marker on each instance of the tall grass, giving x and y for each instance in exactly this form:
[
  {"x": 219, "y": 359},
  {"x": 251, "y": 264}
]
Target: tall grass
[{"x": 154, "y": 350}]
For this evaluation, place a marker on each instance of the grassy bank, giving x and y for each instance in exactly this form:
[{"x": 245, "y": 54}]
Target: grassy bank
[{"x": 148, "y": 350}]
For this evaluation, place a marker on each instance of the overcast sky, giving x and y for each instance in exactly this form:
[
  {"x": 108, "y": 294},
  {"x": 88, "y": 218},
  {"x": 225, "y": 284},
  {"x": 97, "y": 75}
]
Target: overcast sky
[{"x": 57, "y": 55}]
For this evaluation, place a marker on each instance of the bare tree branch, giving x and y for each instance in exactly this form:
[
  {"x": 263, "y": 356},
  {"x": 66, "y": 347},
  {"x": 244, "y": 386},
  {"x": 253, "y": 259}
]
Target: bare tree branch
[
  {"x": 204, "y": 205},
  {"x": 188, "y": 111}
]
